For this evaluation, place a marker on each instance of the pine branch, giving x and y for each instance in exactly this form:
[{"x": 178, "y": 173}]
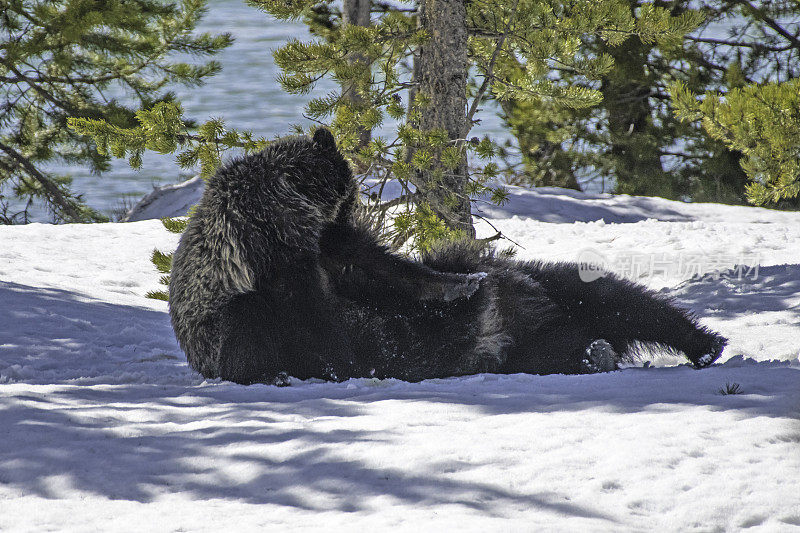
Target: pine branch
[
  {"x": 57, "y": 61},
  {"x": 32, "y": 83},
  {"x": 53, "y": 192},
  {"x": 771, "y": 22},
  {"x": 489, "y": 71},
  {"x": 403, "y": 199}
]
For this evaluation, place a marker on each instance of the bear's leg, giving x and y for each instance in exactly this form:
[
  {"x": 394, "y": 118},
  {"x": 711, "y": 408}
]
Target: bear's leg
[
  {"x": 561, "y": 347},
  {"x": 362, "y": 269},
  {"x": 624, "y": 313},
  {"x": 627, "y": 314},
  {"x": 319, "y": 345},
  {"x": 252, "y": 348},
  {"x": 265, "y": 337}
]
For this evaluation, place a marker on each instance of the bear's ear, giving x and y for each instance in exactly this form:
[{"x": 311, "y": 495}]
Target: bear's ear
[{"x": 323, "y": 138}]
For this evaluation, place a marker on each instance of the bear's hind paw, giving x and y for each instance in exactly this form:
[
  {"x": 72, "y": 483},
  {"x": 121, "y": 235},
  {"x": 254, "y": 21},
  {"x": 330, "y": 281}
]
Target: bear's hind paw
[
  {"x": 281, "y": 380},
  {"x": 705, "y": 360},
  {"x": 600, "y": 357}
]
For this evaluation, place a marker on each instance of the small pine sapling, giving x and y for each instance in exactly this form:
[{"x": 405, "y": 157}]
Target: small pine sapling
[{"x": 730, "y": 388}]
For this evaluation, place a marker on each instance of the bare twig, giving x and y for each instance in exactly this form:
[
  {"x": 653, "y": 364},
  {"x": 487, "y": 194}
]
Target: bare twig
[
  {"x": 772, "y": 23},
  {"x": 736, "y": 44},
  {"x": 499, "y": 234},
  {"x": 406, "y": 198},
  {"x": 486, "y": 240}
]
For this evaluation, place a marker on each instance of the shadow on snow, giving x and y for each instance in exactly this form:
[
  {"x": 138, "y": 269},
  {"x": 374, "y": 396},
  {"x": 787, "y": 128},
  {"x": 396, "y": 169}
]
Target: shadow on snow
[
  {"x": 154, "y": 432},
  {"x": 57, "y": 336},
  {"x": 241, "y": 451},
  {"x": 555, "y": 205},
  {"x": 747, "y": 291}
]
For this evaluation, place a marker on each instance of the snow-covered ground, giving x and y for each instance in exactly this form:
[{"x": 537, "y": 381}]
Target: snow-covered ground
[{"x": 105, "y": 428}]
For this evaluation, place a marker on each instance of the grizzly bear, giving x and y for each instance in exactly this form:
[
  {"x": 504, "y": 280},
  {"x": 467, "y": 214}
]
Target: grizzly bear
[{"x": 278, "y": 274}]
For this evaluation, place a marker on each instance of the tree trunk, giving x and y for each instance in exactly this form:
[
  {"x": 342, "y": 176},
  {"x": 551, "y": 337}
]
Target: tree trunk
[
  {"x": 442, "y": 70},
  {"x": 356, "y": 12}
]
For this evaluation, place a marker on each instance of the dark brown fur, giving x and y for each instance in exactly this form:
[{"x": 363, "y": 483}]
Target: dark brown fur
[{"x": 276, "y": 275}]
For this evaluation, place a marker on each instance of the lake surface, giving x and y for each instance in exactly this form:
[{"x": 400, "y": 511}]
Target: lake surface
[{"x": 245, "y": 94}]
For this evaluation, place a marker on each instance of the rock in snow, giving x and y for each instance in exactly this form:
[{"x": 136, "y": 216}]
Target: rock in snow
[{"x": 106, "y": 428}]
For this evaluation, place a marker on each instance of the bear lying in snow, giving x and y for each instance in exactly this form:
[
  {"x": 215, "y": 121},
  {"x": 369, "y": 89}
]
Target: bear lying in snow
[{"x": 276, "y": 275}]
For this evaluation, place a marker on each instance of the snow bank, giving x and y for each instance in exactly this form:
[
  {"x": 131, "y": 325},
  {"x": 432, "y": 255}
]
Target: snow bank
[
  {"x": 168, "y": 201},
  {"x": 547, "y": 204},
  {"x": 553, "y": 204},
  {"x": 106, "y": 428}
]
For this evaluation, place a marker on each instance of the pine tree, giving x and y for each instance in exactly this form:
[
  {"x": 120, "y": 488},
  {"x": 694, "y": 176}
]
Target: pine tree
[
  {"x": 633, "y": 136},
  {"x": 95, "y": 59},
  {"x": 428, "y": 49},
  {"x": 426, "y": 52},
  {"x": 760, "y": 121}
]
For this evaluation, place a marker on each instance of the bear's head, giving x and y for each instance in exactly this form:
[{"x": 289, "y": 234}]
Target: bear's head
[{"x": 331, "y": 182}]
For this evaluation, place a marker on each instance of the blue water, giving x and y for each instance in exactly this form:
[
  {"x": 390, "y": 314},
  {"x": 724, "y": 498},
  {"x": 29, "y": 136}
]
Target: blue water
[{"x": 245, "y": 94}]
